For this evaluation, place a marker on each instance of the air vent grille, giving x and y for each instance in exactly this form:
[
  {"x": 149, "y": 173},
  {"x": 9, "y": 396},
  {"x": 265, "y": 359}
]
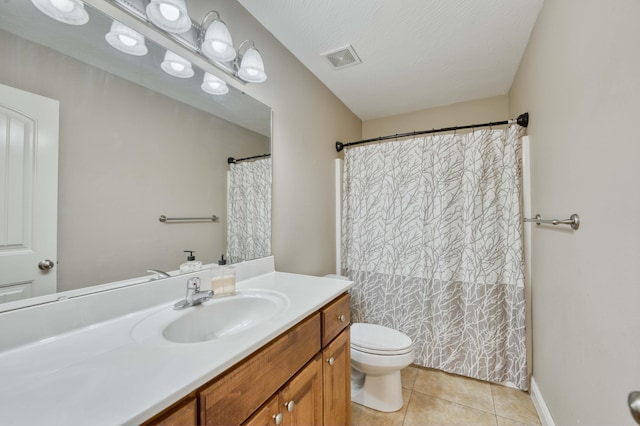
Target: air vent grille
[{"x": 343, "y": 57}]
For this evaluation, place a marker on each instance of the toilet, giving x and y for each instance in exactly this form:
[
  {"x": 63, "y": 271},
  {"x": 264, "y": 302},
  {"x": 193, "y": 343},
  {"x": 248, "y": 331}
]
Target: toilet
[{"x": 378, "y": 354}]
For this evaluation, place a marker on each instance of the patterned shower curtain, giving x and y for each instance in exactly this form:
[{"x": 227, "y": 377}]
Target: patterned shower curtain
[
  {"x": 432, "y": 238},
  {"x": 249, "y": 210}
]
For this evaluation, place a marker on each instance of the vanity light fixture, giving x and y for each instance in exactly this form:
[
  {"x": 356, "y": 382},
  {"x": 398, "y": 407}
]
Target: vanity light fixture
[
  {"x": 126, "y": 40},
  {"x": 66, "y": 11},
  {"x": 169, "y": 15},
  {"x": 217, "y": 44},
  {"x": 211, "y": 39},
  {"x": 251, "y": 66},
  {"x": 176, "y": 65},
  {"x": 213, "y": 85}
]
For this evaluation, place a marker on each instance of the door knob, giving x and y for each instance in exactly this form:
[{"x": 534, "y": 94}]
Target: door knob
[
  {"x": 331, "y": 361},
  {"x": 278, "y": 418},
  {"x": 342, "y": 318},
  {"x": 46, "y": 264},
  {"x": 634, "y": 405}
]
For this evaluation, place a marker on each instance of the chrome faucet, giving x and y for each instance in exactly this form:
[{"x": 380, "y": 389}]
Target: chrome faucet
[
  {"x": 194, "y": 295},
  {"x": 160, "y": 273}
]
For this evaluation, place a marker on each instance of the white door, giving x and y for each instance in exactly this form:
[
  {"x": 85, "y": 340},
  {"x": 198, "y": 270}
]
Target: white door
[{"x": 28, "y": 194}]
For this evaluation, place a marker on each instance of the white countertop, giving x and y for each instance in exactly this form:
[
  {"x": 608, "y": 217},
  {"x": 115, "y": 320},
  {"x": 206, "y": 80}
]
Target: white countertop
[{"x": 122, "y": 371}]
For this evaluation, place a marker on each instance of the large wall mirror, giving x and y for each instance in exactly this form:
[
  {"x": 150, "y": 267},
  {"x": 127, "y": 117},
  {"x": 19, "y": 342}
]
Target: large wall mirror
[{"x": 134, "y": 143}]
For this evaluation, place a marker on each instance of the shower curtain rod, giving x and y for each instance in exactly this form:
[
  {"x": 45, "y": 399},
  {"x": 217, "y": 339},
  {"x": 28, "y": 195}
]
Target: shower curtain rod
[
  {"x": 522, "y": 120},
  {"x": 232, "y": 160}
]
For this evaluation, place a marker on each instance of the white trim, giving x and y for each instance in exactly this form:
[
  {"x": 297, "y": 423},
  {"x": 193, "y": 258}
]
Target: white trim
[
  {"x": 540, "y": 405},
  {"x": 528, "y": 262},
  {"x": 338, "y": 216}
]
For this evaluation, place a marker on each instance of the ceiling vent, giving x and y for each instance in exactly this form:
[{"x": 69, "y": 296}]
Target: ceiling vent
[{"x": 343, "y": 57}]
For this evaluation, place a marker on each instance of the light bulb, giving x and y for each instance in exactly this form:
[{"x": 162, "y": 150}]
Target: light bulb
[
  {"x": 169, "y": 12},
  {"x": 177, "y": 66},
  {"x": 63, "y": 5},
  {"x": 218, "y": 46},
  {"x": 66, "y": 11},
  {"x": 126, "y": 40},
  {"x": 213, "y": 85}
]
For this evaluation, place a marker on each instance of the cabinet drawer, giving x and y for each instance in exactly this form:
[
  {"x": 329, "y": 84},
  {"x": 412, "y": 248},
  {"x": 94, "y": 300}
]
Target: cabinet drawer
[
  {"x": 182, "y": 414},
  {"x": 232, "y": 398},
  {"x": 335, "y": 317}
]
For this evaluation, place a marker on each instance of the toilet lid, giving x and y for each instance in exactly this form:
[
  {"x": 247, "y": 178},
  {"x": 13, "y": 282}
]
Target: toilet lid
[{"x": 377, "y": 339}]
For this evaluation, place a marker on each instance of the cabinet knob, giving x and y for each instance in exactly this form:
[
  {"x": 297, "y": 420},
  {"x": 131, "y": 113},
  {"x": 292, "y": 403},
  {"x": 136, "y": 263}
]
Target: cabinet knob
[
  {"x": 278, "y": 418},
  {"x": 342, "y": 318},
  {"x": 331, "y": 361},
  {"x": 290, "y": 405}
]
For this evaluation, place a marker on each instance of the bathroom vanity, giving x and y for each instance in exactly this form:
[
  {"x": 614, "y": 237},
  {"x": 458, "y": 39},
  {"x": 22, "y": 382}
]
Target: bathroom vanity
[
  {"x": 276, "y": 353},
  {"x": 301, "y": 377}
]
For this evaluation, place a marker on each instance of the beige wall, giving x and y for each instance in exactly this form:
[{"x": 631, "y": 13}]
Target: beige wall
[
  {"x": 472, "y": 112},
  {"x": 307, "y": 120},
  {"x": 128, "y": 155},
  {"x": 579, "y": 80}
]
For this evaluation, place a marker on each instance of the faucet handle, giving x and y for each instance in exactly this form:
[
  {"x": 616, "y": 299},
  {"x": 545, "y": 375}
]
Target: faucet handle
[{"x": 193, "y": 284}]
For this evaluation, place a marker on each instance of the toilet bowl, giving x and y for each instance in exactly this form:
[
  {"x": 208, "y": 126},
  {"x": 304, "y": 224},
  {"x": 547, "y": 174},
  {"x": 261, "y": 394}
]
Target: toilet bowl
[{"x": 378, "y": 354}]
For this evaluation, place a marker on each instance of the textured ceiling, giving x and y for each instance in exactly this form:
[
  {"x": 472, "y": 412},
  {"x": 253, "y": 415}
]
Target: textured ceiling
[{"x": 416, "y": 54}]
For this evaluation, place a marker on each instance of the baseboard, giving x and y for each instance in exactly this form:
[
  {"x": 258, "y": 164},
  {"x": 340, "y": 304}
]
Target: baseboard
[{"x": 540, "y": 405}]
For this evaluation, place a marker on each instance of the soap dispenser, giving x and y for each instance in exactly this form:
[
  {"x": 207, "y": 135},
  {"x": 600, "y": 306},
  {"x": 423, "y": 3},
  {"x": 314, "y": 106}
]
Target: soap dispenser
[
  {"x": 223, "y": 278},
  {"x": 191, "y": 264}
]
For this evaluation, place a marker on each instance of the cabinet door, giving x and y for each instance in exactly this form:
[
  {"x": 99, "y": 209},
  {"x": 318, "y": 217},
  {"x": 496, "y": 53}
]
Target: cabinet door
[
  {"x": 337, "y": 381},
  {"x": 302, "y": 398},
  {"x": 271, "y": 414}
]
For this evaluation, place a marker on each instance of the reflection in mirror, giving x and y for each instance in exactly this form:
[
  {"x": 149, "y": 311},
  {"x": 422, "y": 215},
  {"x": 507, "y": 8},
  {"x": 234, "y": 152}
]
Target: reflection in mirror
[{"x": 134, "y": 143}]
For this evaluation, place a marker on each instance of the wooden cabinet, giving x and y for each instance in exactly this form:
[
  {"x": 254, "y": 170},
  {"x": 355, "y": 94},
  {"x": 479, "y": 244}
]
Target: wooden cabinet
[
  {"x": 302, "y": 397},
  {"x": 336, "y": 316},
  {"x": 303, "y": 377},
  {"x": 234, "y": 396},
  {"x": 271, "y": 414},
  {"x": 184, "y": 413},
  {"x": 336, "y": 378},
  {"x": 298, "y": 403}
]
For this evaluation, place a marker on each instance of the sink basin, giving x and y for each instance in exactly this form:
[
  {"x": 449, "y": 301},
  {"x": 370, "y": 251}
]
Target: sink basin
[{"x": 225, "y": 317}]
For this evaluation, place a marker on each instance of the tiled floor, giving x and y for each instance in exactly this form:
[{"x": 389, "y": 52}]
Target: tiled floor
[{"x": 432, "y": 397}]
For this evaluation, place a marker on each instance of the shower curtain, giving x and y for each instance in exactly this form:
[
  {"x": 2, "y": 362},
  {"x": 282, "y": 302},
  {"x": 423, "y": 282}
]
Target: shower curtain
[
  {"x": 432, "y": 238},
  {"x": 249, "y": 210}
]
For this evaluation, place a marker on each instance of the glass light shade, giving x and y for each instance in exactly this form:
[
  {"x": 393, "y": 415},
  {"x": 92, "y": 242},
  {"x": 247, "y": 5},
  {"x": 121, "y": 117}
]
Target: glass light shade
[
  {"x": 212, "y": 84},
  {"x": 169, "y": 15},
  {"x": 251, "y": 67},
  {"x": 176, "y": 65},
  {"x": 217, "y": 44},
  {"x": 126, "y": 40},
  {"x": 66, "y": 11}
]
